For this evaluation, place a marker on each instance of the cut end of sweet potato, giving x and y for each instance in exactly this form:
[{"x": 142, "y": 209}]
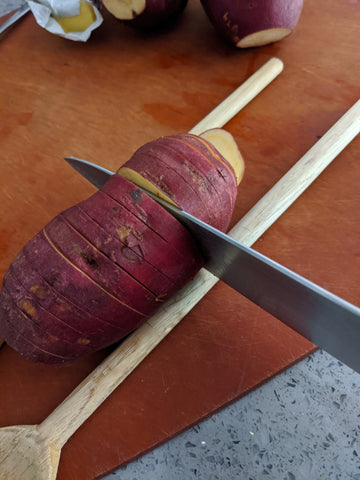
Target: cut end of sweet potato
[
  {"x": 142, "y": 182},
  {"x": 125, "y": 9},
  {"x": 263, "y": 37},
  {"x": 225, "y": 144}
]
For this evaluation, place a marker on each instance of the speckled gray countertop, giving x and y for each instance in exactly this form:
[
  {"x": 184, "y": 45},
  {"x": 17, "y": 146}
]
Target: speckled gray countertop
[{"x": 304, "y": 424}]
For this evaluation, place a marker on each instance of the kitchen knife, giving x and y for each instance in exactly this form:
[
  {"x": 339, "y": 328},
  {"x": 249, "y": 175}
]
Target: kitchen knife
[{"x": 323, "y": 318}]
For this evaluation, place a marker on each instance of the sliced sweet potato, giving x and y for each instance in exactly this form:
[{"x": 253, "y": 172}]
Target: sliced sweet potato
[
  {"x": 246, "y": 23},
  {"x": 155, "y": 217},
  {"x": 53, "y": 301},
  {"x": 98, "y": 270},
  {"x": 144, "y": 167},
  {"x": 78, "y": 287},
  {"x": 171, "y": 180},
  {"x": 216, "y": 159},
  {"x": 109, "y": 276},
  {"x": 11, "y": 317},
  {"x": 119, "y": 222},
  {"x": 199, "y": 165},
  {"x": 42, "y": 328},
  {"x": 224, "y": 142},
  {"x": 130, "y": 260}
]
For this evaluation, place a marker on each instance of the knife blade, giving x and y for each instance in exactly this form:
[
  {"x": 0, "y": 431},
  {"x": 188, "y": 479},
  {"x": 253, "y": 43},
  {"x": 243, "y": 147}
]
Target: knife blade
[{"x": 325, "y": 319}]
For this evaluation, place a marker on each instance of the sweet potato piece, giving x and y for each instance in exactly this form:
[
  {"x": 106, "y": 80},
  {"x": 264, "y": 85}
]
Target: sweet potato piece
[
  {"x": 118, "y": 221},
  {"x": 120, "y": 253},
  {"x": 212, "y": 179},
  {"x": 225, "y": 144},
  {"x": 52, "y": 301},
  {"x": 155, "y": 217},
  {"x": 175, "y": 182},
  {"x": 223, "y": 165},
  {"x": 203, "y": 155},
  {"x": 246, "y": 23},
  {"x": 77, "y": 271},
  {"x": 41, "y": 327},
  {"x": 145, "y": 14},
  {"x": 10, "y": 315},
  {"x": 99, "y": 267},
  {"x": 78, "y": 287},
  {"x": 200, "y": 165}
]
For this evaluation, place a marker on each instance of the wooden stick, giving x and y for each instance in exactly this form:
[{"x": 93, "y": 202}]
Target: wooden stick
[
  {"x": 84, "y": 400},
  {"x": 298, "y": 178},
  {"x": 227, "y": 109}
]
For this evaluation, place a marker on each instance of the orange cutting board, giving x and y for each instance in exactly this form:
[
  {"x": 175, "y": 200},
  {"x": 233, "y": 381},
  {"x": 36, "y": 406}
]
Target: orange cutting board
[{"x": 102, "y": 100}]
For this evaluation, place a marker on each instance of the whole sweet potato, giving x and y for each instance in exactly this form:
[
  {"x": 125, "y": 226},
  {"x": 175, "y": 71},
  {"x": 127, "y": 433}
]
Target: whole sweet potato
[{"x": 99, "y": 269}]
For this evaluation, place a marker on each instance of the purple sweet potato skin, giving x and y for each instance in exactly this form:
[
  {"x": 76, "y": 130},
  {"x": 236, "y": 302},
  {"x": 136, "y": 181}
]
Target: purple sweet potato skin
[
  {"x": 24, "y": 318},
  {"x": 78, "y": 287},
  {"x": 42, "y": 328},
  {"x": 221, "y": 165},
  {"x": 51, "y": 300},
  {"x": 120, "y": 253},
  {"x": 155, "y": 217},
  {"x": 119, "y": 222},
  {"x": 215, "y": 205},
  {"x": 203, "y": 156},
  {"x": 183, "y": 165},
  {"x": 168, "y": 175},
  {"x": 158, "y": 13},
  {"x": 11, "y": 332},
  {"x": 99, "y": 267},
  {"x": 236, "y": 20}
]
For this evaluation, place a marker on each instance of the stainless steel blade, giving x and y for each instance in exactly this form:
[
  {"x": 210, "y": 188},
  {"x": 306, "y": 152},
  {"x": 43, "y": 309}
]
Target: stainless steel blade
[
  {"x": 97, "y": 176},
  {"x": 325, "y": 319}
]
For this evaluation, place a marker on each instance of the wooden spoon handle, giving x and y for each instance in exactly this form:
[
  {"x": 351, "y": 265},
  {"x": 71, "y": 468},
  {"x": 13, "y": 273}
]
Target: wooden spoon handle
[{"x": 274, "y": 203}]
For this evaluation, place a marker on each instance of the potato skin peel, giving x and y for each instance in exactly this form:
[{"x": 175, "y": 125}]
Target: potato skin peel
[{"x": 99, "y": 269}]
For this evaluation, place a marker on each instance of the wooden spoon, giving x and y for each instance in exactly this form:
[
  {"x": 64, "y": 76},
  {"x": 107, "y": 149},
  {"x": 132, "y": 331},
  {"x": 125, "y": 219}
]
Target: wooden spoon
[{"x": 33, "y": 452}]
